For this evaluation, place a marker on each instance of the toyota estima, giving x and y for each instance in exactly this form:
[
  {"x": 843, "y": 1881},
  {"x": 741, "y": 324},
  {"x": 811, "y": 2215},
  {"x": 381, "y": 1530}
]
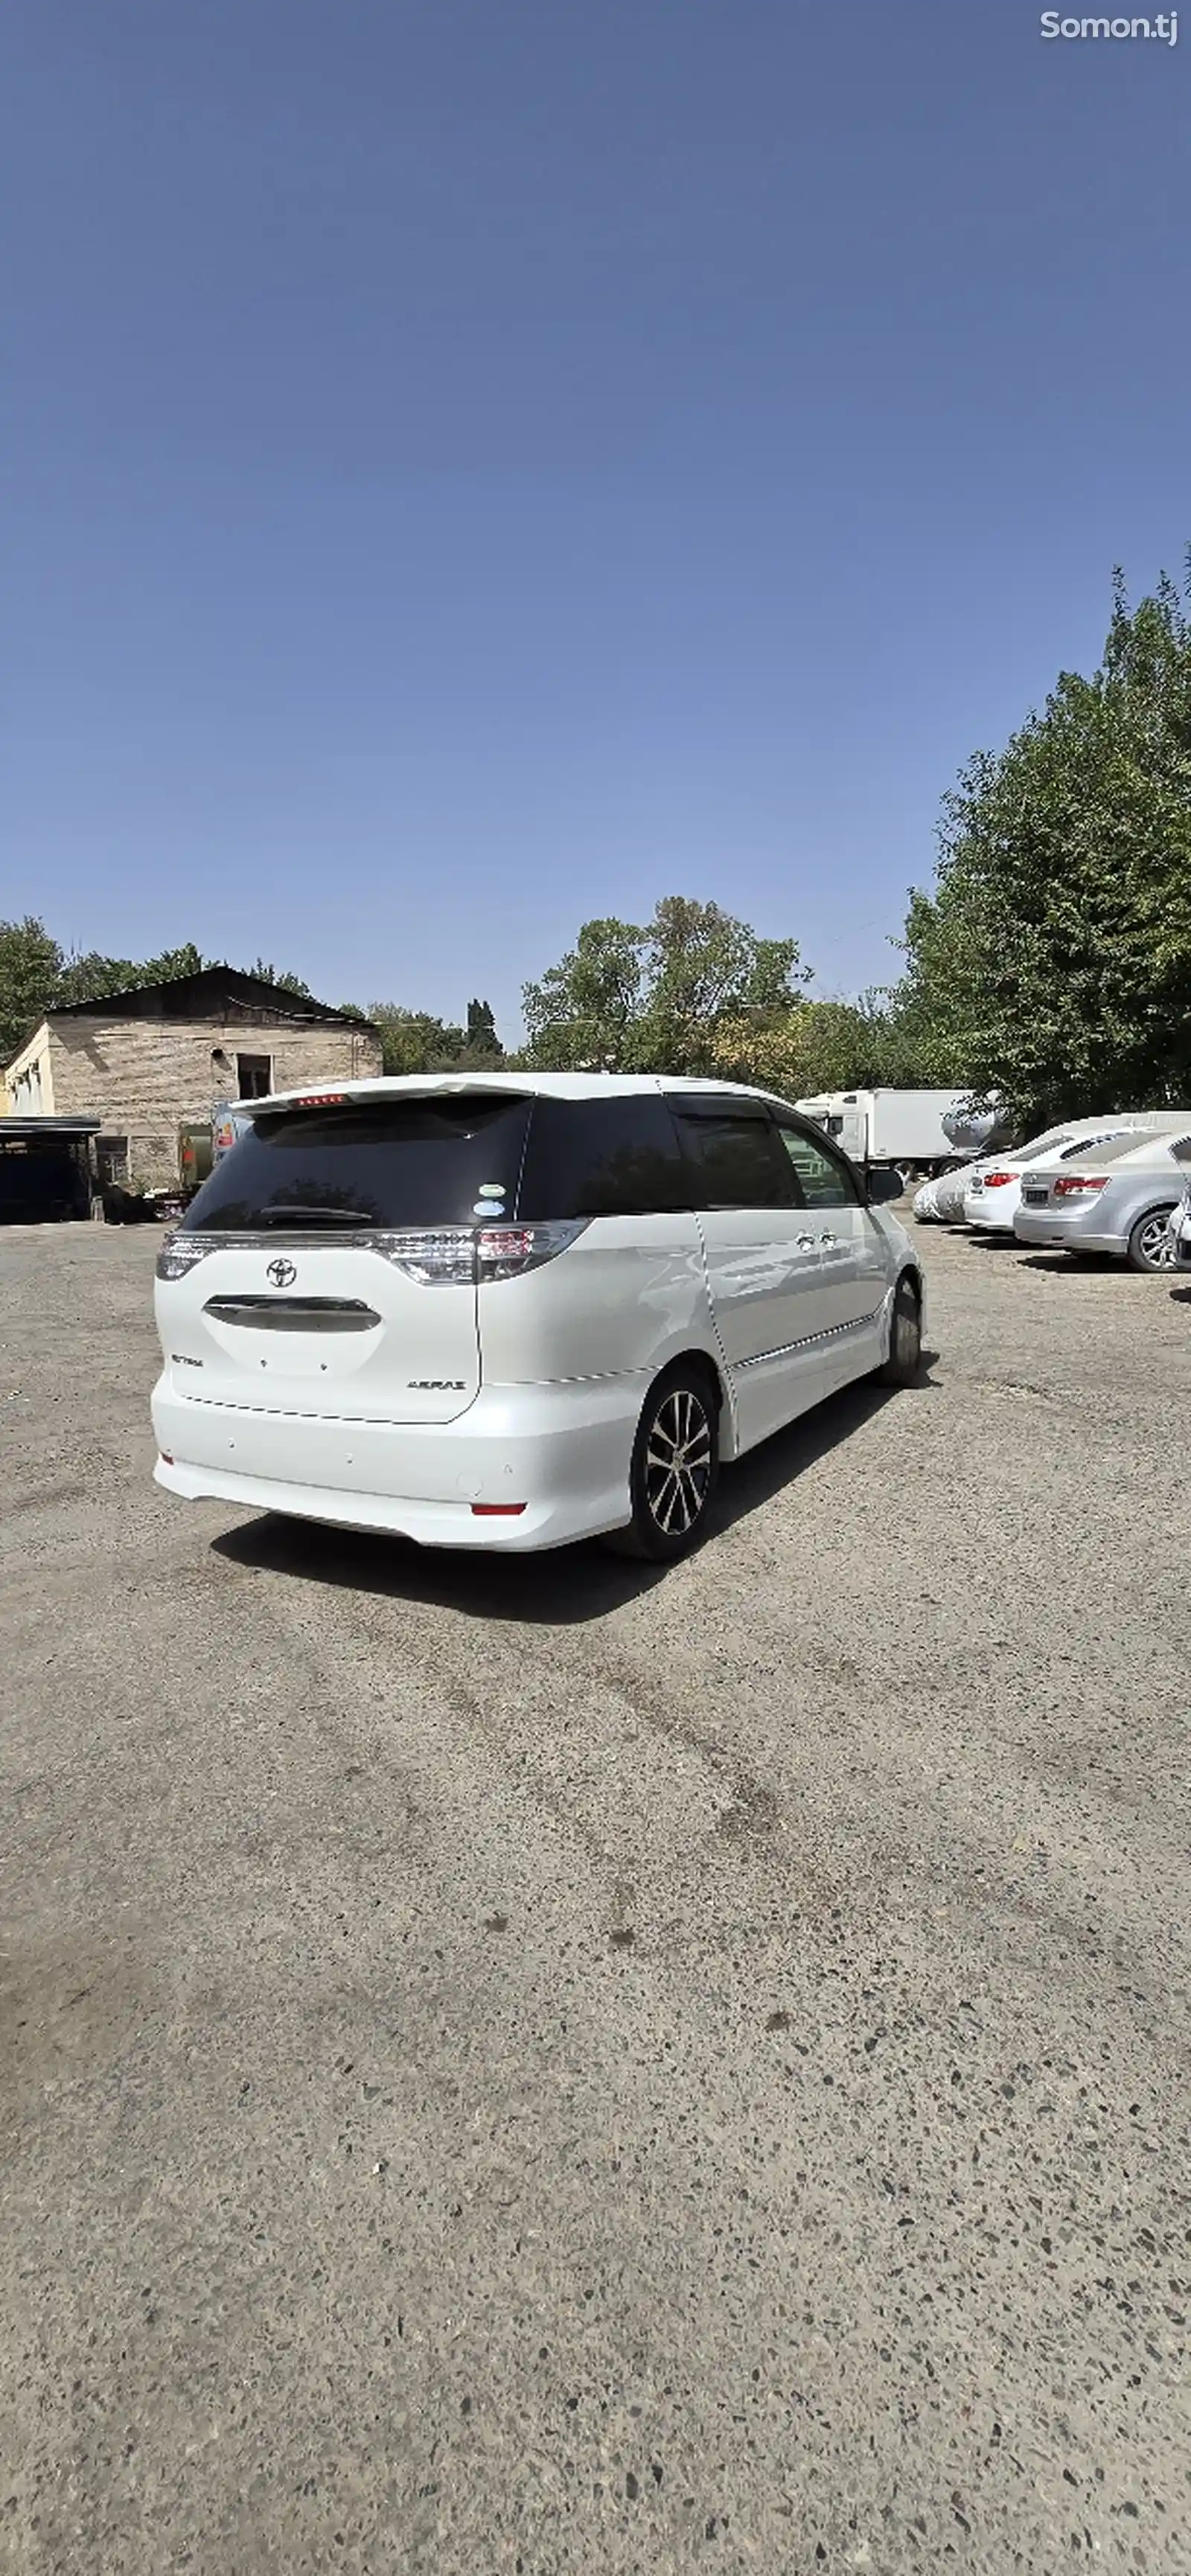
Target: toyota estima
[{"x": 516, "y": 1310}]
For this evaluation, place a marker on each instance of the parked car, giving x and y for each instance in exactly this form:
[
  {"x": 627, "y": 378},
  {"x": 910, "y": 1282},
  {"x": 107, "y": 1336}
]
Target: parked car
[
  {"x": 993, "y": 1193},
  {"x": 1180, "y": 1215},
  {"x": 950, "y": 1191},
  {"x": 1116, "y": 1197},
  {"x": 516, "y": 1310}
]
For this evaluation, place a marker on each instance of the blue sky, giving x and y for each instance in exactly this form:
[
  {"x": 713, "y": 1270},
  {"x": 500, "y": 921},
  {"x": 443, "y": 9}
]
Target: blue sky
[{"x": 473, "y": 464}]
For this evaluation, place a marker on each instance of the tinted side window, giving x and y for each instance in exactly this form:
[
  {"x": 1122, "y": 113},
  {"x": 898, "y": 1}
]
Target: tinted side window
[
  {"x": 614, "y": 1157},
  {"x": 736, "y": 1161},
  {"x": 822, "y": 1179}
]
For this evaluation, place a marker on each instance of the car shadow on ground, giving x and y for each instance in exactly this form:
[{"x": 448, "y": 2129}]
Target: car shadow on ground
[
  {"x": 1089, "y": 1264},
  {"x": 558, "y": 1587}
]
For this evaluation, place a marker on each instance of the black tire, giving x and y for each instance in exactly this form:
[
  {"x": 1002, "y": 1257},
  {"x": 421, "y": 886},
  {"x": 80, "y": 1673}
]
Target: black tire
[
  {"x": 1148, "y": 1241},
  {"x": 905, "y": 1337},
  {"x": 671, "y": 1505}
]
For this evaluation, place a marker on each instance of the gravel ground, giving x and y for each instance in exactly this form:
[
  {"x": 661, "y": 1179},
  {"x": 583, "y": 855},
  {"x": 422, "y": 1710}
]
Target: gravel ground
[{"x": 538, "y": 2066}]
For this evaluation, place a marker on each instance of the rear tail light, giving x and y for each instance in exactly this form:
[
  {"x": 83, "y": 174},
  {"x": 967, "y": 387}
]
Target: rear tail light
[
  {"x": 1074, "y": 1184},
  {"x": 179, "y": 1252},
  {"x": 451, "y": 1256},
  {"x": 505, "y": 1251},
  {"x": 459, "y": 1256},
  {"x": 997, "y": 1180}
]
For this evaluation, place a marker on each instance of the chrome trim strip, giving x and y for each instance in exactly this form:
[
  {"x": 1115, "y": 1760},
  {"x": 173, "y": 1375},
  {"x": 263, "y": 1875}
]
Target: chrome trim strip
[
  {"x": 294, "y": 1314},
  {"x": 832, "y": 1334}
]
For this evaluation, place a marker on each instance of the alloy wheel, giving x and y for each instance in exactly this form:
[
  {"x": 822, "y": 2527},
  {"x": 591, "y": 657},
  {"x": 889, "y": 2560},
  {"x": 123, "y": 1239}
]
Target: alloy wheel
[
  {"x": 679, "y": 1457},
  {"x": 1154, "y": 1243}
]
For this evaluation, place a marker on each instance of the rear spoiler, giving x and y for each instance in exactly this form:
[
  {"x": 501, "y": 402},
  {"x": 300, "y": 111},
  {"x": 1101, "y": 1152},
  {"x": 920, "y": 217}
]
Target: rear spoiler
[{"x": 395, "y": 1087}]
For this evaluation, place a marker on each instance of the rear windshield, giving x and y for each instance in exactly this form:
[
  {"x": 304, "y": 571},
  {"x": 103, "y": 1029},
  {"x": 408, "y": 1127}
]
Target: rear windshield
[
  {"x": 1048, "y": 1144},
  {"x": 1109, "y": 1147},
  {"x": 386, "y": 1163}
]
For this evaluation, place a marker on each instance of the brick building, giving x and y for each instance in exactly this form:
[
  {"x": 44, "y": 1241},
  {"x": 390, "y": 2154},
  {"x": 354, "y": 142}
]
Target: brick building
[{"x": 153, "y": 1063}]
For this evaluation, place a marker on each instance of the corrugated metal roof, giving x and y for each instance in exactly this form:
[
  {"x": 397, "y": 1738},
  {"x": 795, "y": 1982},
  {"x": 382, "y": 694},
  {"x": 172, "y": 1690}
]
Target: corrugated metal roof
[{"x": 204, "y": 996}]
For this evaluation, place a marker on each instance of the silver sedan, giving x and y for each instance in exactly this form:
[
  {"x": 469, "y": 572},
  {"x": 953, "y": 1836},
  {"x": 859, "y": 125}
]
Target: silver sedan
[{"x": 1116, "y": 1197}]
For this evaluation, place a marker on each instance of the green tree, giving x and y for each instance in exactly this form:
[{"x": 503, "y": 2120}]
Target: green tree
[
  {"x": 31, "y": 965},
  {"x": 285, "y": 980},
  {"x": 583, "y": 1013},
  {"x": 657, "y": 998},
  {"x": 1053, "y": 959},
  {"x": 817, "y": 1046},
  {"x": 414, "y": 1041},
  {"x": 481, "y": 1045},
  {"x": 704, "y": 968},
  {"x": 92, "y": 976}
]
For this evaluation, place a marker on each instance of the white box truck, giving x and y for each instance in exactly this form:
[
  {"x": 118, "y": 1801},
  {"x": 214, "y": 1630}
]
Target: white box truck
[{"x": 921, "y": 1132}]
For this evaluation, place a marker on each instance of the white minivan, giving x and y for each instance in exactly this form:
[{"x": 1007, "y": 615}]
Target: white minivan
[{"x": 513, "y": 1310}]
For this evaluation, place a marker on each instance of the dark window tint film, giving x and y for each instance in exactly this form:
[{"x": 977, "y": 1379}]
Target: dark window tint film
[
  {"x": 736, "y": 1160},
  {"x": 614, "y": 1157},
  {"x": 374, "y": 1163}
]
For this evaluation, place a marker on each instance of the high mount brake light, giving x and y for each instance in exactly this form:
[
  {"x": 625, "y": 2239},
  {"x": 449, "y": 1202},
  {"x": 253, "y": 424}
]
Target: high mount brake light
[{"x": 321, "y": 1100}]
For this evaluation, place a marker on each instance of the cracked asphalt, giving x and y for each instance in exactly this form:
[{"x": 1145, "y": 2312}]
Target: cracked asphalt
[{"x": 531, "y": 2066}]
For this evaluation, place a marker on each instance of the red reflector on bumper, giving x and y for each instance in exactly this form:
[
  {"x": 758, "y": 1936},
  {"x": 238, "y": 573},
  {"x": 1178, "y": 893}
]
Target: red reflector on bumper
[
  {"x": 166, "y": 1459},
  {"x": 496, "y": 1511}
]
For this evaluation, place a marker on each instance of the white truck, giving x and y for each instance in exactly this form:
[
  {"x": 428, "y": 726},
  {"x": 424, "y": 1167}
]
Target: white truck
[{"x": 919, "y": 1132}]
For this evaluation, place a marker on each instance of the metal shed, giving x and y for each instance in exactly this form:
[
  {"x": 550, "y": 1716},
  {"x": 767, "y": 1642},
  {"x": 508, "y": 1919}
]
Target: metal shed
[{"x": 47, "y": 1169}]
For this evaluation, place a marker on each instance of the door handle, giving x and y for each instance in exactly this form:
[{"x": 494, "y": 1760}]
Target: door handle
[{"x": 806, "y": 1243}]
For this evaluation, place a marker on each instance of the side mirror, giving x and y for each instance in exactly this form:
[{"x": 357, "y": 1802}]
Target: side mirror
[{"x": 884, "y": 1182}]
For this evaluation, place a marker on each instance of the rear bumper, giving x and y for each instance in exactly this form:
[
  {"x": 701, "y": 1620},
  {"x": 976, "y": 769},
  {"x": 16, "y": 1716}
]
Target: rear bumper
[
  {"x": 1041, "y": 1226},
  {"x": 984, "y": 1211},
  {"x": 562, "y": 1450}
]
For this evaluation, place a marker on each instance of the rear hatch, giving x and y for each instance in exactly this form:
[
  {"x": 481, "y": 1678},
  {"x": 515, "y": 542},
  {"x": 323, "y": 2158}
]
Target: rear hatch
[{"x": 327, "y": 1265}]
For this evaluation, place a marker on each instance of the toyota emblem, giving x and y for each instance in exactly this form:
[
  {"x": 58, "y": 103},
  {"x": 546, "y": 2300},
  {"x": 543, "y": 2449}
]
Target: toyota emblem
[{"x": 282, "y": 1273}]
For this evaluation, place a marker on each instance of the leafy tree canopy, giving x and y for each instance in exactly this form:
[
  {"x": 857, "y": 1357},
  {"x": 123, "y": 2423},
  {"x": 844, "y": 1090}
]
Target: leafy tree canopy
[
  {"x": 653, "y": 999},
  {"x": 1053, "y": 959}
]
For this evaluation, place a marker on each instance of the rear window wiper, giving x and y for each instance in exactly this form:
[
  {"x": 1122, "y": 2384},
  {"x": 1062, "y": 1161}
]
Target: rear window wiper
[{"x": 315, "y": 1216}]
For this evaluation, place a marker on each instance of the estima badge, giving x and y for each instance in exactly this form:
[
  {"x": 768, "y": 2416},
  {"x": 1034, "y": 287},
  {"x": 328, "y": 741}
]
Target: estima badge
[
  {"x": 282, "y": 1273},
  {"x": 436, "y": 1385}
]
